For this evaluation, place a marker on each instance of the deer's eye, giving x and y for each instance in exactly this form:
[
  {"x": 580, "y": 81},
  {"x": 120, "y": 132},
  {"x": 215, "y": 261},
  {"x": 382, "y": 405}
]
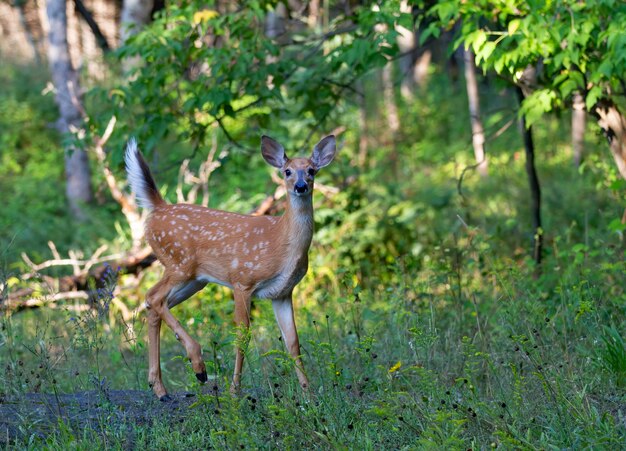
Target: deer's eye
[
  {"x": 311, "y": 172},
  {"x": 287, "y": 172}
]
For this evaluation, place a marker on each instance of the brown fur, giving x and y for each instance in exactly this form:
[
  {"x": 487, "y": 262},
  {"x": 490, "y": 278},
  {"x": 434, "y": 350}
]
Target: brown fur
[{"x": 259, "y": 256}]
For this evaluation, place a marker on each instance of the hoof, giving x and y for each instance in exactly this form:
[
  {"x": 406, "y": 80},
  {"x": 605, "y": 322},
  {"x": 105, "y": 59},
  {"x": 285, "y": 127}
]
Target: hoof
[
  {"x": 165, "y": 398},
  {"x": 202, "y": 377}
]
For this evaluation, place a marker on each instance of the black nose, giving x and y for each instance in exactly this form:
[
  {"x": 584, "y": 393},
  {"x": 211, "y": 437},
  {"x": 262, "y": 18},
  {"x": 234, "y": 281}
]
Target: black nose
[{"x": 301, "y": 187}]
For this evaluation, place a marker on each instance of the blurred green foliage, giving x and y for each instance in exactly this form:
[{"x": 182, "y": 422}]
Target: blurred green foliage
[{"x": 32, "y": 182}]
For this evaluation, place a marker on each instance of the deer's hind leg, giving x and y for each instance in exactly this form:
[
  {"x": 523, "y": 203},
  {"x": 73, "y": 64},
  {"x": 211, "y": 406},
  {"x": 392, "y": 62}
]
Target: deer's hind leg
[
  {"x": 170, "y": 291},
  {"x": 155, "y": 297}
]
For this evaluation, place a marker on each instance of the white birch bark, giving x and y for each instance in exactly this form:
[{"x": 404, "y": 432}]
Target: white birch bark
[
  {"x": 67, "y": 93},
  {"x": 473, "y": 99}
]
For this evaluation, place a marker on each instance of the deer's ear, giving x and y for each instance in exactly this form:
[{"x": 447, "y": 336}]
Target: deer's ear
[
  {"x": 273, "y": 152},
  {"x": 324, "y": 152}
]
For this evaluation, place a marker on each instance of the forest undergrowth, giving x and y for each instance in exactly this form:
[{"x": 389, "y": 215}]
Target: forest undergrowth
[{"x": 423, "y": 321}]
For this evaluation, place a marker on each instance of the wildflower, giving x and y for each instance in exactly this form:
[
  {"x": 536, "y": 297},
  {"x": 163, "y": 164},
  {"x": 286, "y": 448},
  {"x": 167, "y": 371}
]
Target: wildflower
[{"x": 394, "y": 368}]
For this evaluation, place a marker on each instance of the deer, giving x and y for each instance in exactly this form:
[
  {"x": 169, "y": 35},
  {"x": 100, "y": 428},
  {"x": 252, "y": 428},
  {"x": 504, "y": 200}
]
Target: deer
[{"x": 263, "y": 257}]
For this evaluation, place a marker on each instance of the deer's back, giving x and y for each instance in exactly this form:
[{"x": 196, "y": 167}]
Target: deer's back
[{"x": 217, "y": 246}]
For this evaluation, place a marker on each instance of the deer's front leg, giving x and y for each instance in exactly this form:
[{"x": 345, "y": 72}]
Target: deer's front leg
[
  {"x": 283, "y": 309},
  {"x": 242, "y": 321}
]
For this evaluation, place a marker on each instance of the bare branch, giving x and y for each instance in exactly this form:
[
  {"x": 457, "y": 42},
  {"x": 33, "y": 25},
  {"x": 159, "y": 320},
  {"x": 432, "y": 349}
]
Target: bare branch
[
  {"x": 93, "y": 25},
  {"x": 129, "y": 207},
  {"x": 73, "y": 261},
  {"x": 53, "y": 249}
]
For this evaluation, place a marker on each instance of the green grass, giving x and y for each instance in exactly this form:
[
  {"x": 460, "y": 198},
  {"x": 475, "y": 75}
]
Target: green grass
[{"x": 420, "y": 363}]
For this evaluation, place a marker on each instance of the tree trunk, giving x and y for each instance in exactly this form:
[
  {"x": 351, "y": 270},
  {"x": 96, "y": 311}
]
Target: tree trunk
[
  {"x": 16, "y": 42},
  {"x": 579, "y": 123},
  {"x": 93, "y": 25},
  {"x": 420, "y": 69},
  {"x": 314, "y": 13},
  {"x": 406, "y": 63},
  {"x": 391, "y": 109},
  {"x": 613, "y": 124},
  {"x": 478, "y": 135},
  {"x": 28, "y": 32},
  {"x": 65, "y": 80},
  {"x": 135, "y": 15},
  {"x": 363, "y": 128},
  {"x": 274, "y": 27},
  {"x": 533, "y": 181}
]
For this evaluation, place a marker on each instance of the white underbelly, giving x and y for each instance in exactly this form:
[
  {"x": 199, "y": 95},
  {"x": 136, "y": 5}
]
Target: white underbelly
[
  {"x": 209, "y": 279},
  {"x": 277, "y": 287},
  {"x": 280, "y": 286}
]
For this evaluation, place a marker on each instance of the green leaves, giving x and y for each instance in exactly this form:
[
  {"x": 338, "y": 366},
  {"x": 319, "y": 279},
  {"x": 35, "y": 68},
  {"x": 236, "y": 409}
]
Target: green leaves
[
  {"x": 577, "y": 46},
  {"x": 197, "y": 64},
  {"x": 513, "y": 26},
  {"x": 485, "y": 51},
  {"x": 594, "y": 94},
  {"x": 536, "y": 104},
  {"x": 568, "y": 82}
]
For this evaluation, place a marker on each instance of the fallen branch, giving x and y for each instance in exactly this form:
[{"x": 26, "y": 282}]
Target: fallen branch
[
  {"x": 75, "y": 286},
  {"x": 73, "y": 261},
  {"x": 40, "y": 301}
]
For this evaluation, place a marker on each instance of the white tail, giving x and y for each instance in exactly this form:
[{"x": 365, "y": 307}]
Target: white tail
[
  {"x": 140, "y": 178},
  {"x": 260, "y": 256}
]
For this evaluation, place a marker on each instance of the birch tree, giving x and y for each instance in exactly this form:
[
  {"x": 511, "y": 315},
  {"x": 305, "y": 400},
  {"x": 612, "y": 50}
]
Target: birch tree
[
  {"x": 473, "y": 100},
  {"x": 67, "y": 96}
]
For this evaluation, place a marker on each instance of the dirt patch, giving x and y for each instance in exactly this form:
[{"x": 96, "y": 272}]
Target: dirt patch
[{"x": 41, "y": 414}]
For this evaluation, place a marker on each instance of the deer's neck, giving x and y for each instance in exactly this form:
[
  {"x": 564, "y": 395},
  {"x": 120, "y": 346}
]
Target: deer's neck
[{"x": 297, "y": 222}]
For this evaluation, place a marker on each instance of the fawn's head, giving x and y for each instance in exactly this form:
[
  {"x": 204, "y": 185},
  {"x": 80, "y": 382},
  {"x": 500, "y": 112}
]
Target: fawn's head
[{"x": 299, "y": 173}]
